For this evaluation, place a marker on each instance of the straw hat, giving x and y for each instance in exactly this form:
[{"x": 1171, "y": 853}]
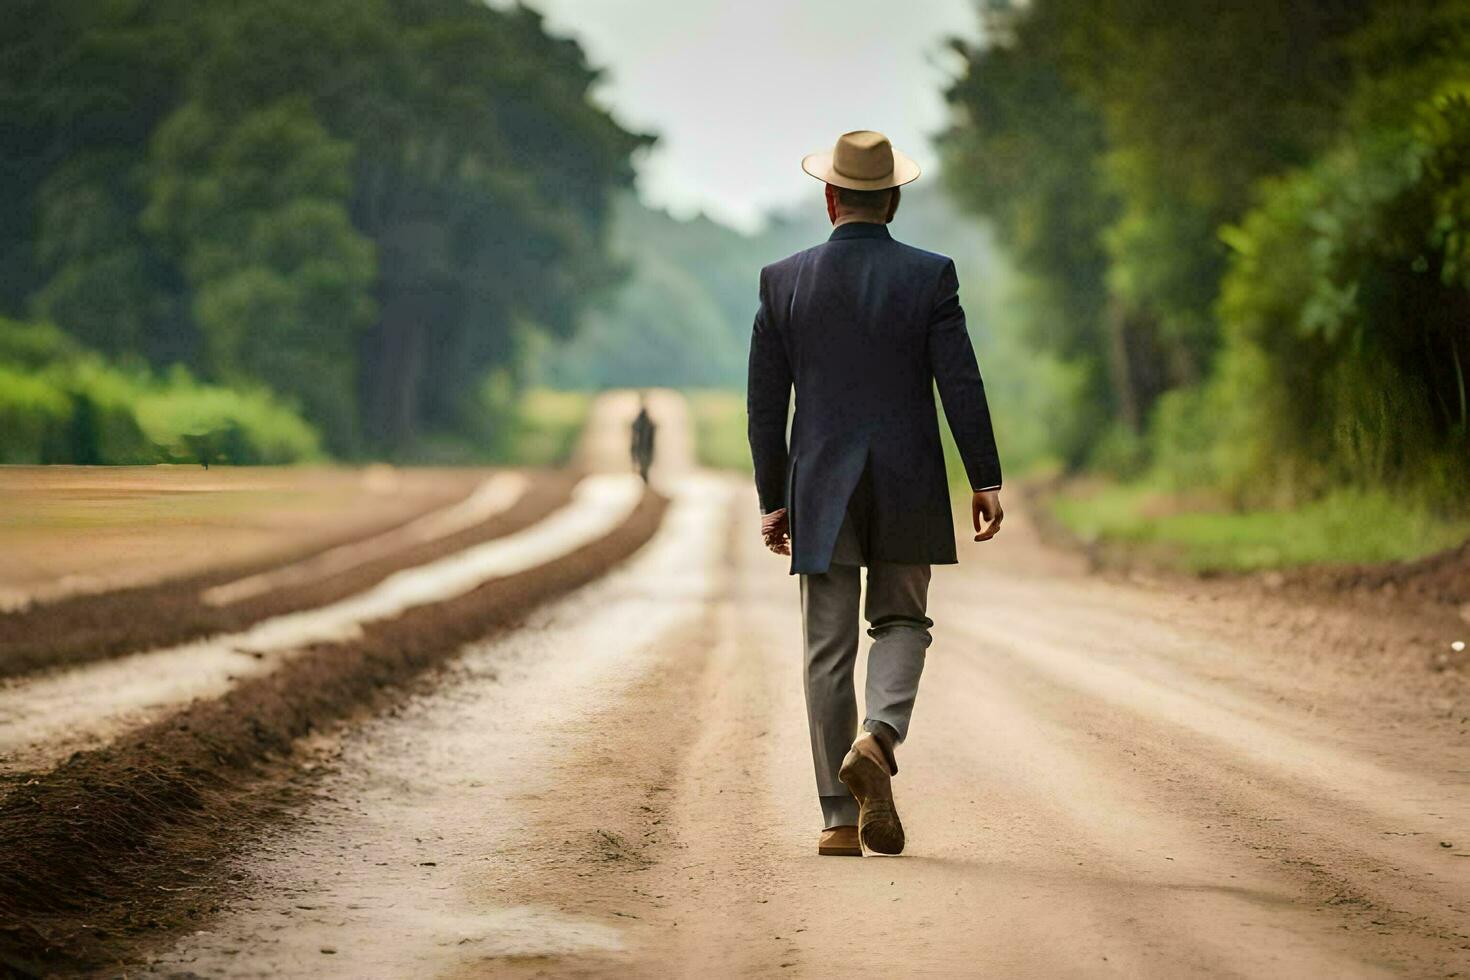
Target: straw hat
[{"x": 862, "y": 161}]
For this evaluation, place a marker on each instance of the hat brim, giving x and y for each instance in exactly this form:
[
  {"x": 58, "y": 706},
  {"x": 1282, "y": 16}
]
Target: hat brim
[{"x": 819, "y": 165}]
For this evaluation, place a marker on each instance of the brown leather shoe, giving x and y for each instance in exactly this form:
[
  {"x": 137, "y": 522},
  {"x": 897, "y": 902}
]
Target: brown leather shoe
[
  {"x": 865, "y": 771},
  {"x": 840, "y": 842}
]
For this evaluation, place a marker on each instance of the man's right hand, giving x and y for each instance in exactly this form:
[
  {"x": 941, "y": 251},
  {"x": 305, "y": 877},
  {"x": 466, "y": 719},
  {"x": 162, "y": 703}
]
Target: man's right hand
[
  {"x": 776, "y": 531},
  {"x": 986, "y": 504}
]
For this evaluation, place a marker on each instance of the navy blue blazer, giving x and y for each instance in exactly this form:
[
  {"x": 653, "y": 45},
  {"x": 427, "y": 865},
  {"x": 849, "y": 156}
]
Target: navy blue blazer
[{"x": 864, "y": 328}]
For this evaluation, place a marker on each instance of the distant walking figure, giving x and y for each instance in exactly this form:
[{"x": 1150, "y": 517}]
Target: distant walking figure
[
  {"x": 643, "y": 433},
  {"x": 864, "y": 327}
]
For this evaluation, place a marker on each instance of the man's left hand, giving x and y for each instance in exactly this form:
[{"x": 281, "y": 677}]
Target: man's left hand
[
  {"x": 776, "y": 531},
  {"x": 985, "y": 504}
]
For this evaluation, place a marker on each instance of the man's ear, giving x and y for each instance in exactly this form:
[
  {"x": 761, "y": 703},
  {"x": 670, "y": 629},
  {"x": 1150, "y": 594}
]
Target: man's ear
[
  {"x": 831, "y": 204},
  {"x": 892, "y": 205}
]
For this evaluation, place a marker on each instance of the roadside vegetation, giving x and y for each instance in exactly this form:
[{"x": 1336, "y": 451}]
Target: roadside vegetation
[
  {"x": 542, "y": 427},
  {"x": 719, "y": 429},
  {"x": 61, "y": 403},
  {"x": 1200, "y": 534},
  {"x": 1244, "y": 233},
  {"x": 362, "y": 207}
]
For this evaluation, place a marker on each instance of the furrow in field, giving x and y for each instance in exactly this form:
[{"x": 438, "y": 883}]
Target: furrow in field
[
  {"x": 90, "y": 628},
  {"x": 43, "y": 719},
  {"x": 494, "y": 496}
]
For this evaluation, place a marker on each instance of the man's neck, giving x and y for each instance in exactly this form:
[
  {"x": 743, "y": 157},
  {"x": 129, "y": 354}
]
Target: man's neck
[{"x": 850, "y": 219}]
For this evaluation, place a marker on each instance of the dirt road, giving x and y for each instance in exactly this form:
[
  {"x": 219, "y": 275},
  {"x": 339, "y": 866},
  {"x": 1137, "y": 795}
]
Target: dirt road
[{"x": 1103, "y": 778}]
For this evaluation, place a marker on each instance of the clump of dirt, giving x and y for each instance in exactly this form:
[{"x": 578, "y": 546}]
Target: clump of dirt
[
  {"x": 95, "y": 627},
  {"x": 1440, "y": 579},
  {"x": 123, "y": 845}
]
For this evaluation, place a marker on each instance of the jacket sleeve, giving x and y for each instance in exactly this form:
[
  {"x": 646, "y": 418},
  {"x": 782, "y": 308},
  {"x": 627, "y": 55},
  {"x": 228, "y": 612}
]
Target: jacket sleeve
[
  {"x": 952, "y": 361},
  {"x": 768, "y": 399}
]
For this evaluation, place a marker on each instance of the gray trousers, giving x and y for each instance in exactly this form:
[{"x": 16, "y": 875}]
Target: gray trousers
[{"x": 895, "y": 611}]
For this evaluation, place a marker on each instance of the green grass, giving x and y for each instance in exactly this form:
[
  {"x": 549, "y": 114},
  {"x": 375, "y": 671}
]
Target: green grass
[
  {"x": 1343, "y": 528},
  {"x": 536, "y": 427},
  {"x": 719, "y": 429},
  {"x": 547, "y": 424}
]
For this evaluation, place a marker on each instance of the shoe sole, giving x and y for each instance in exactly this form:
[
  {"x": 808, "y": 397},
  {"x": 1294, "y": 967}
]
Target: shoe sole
[
  {"x": 879, "y": 828},
  {"x": 827, "y": 850}
]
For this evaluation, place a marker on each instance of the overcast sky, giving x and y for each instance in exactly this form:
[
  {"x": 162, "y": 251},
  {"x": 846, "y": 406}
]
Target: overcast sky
[{"x": 740, "y": 90}]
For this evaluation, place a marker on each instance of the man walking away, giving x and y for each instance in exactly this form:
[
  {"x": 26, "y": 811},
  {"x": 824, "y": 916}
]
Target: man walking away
[
  {"x": 864, "y": 327},
  {"x": 643, "y": 432}
]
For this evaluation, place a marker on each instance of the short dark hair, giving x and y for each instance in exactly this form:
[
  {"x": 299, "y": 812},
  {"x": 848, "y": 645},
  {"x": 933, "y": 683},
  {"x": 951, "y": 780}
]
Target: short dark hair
[{"x": 865, "y": 200}]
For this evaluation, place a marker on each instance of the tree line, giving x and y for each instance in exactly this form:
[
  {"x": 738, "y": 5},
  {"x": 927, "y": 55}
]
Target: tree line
[
  {"x": 364, "y": 206},
  {"x": 1244, "y": 227}
]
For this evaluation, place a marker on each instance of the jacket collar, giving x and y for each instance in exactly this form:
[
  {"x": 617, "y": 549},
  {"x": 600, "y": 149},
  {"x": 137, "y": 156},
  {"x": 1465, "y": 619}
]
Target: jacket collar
[{"x": 859, "y": 229}]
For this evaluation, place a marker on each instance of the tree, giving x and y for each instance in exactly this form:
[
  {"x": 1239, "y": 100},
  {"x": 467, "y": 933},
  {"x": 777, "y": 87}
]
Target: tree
[
  {"x": 1111, "y": 141},
  {"x": 82, "y": 84},
  {"x": 365, "y": 204},
  {"x": 490, "y": 206},
  {"x": 1025, "y": 150},
  {"x": 257, "y": 212},
  {"x": 1347, "y": 300}
]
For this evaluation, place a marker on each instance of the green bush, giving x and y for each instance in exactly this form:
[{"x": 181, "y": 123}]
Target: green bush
[
  {"x": 62, "y": 404},
  {"x": 1120, "y": 452},
  {"x": 104, "y": 428},
  {"x": 188, "y": 421},
  {"x": 1207, "y": 437},
  {"x": 34, "y": 416},
  {"x": 1343, "y": 307},
  {"x": 34, "y": 345},
  {"x": 78, "y": 412}
]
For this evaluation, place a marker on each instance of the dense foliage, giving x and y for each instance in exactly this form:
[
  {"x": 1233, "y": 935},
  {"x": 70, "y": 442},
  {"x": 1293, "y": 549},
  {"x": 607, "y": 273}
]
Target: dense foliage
[
  {"x": 1245, "y": 225},
  {"x": 364, "y": 205},
  {"x": 61, "y": 403}
]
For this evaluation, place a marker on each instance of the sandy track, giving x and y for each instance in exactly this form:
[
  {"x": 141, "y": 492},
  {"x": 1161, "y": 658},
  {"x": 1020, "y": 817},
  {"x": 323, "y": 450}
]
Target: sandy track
[{"x": 1103, "y": 779}]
